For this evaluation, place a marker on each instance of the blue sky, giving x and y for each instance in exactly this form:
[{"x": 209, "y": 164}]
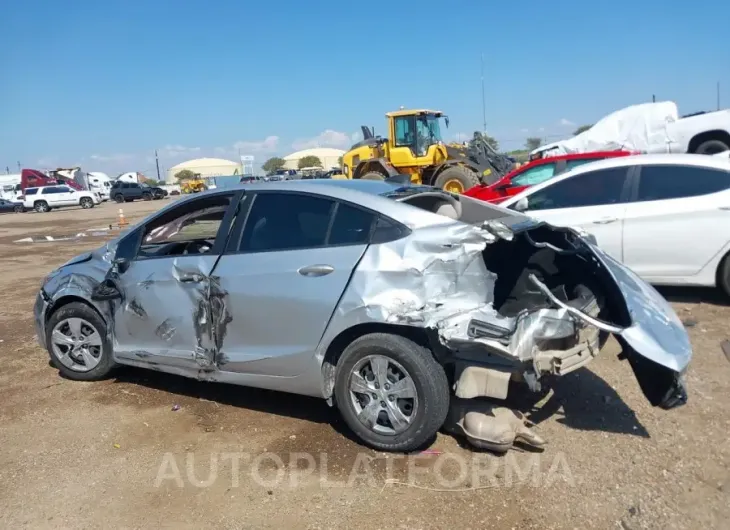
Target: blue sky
[{"x": 104, "y": 84}]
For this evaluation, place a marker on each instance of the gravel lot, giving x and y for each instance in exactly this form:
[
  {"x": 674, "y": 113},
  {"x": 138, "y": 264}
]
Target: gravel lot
[{"x": 115, "y": 452}]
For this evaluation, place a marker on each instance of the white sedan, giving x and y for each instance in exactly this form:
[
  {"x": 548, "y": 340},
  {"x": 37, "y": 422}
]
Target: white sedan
[{"x": 666, "y": 216}]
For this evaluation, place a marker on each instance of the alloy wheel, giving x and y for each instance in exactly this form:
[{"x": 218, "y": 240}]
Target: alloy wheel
[
  {"x": 383, "y": 394},
  {"x": 76, "y": 344}
]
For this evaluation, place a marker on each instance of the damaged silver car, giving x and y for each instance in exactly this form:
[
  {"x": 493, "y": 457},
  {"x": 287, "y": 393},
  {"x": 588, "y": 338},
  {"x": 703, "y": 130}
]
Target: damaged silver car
[{"x": 408, "y": 308}]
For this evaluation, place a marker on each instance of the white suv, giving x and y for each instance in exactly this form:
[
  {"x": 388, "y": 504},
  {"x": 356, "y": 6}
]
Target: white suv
[{"x": 44, "y": 198}]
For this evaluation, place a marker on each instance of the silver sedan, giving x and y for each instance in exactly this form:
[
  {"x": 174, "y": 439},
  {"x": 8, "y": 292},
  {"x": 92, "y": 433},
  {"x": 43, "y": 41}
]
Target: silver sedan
[{"x": 398, "y": 304}]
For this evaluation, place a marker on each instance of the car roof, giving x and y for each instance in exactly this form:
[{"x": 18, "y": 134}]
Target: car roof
[
  {"x": 705, "y": 161},
  {"x": 365, "y": 193}
]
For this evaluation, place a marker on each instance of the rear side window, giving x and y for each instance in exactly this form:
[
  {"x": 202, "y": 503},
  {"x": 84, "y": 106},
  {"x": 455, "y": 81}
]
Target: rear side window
[
  {"x": 49, "y": 190},
  {"x": 31, "y": 191},
  {"x": 570, "y": 164},
  {"x": 351, "y": 226},
  {"x": 286, "y": 221},
  {"x": 658, "y": 183},
  {"x": 534, "y": 175},
  {"x": 595, "y": 188}
]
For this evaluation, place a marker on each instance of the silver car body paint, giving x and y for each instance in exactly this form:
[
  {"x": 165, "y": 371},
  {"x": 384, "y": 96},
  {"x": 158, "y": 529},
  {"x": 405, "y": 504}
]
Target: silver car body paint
[{"x": 253, "y": 319}]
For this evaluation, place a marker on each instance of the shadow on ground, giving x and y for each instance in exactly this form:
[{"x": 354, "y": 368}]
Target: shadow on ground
[
  {"x": 695, "y": 295},
  {"x": 268, "y": 401},
  {"x": 583, "y": 401}
]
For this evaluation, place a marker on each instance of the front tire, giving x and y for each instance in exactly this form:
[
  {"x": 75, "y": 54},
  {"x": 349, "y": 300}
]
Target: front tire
[
  {"x": 712, "y": 147},
  {"x": 78, "y": 344},
  {"x": 146, "y": 196},
  {"x": 86, "y": 203},
  {"x": 391, "y": 392},
  {"x": 456, "y": 179},
  {"x": 19, "y": 209}
]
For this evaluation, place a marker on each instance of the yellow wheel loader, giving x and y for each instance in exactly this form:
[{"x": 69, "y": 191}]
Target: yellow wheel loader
[
  {"x": 414, "y": 147},
  {"x": 194, "y": 185}
]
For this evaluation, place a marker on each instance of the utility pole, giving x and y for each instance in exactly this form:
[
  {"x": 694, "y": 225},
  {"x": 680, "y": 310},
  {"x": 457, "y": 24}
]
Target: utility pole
[
  {"x": 157, "y": 163},
  {"x": 19, "y": 165},
  {"x": 7, "y": 170},
  {"x": 484, "y": 101}
]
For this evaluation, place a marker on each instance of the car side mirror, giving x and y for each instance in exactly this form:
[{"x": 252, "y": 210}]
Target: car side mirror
[
  {"x": 522, "y": 205},
  {"x": 120, "y": 265}
]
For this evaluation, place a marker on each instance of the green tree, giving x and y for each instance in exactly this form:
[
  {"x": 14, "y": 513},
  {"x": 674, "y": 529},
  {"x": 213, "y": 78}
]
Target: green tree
[
  {"x": 339, "y": 161},
  {"x": 492, "y": 141},
  {"x": 185, "y": 174},
  {"x": 582, "y": 128},
  {"x": 272, "y": 165},
  {"x": 309, "y": 161},
  {"x": 533, "y": 143}
]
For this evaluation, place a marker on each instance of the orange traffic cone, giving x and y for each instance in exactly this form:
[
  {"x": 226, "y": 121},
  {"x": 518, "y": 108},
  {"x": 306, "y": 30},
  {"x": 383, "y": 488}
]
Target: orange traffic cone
[{"x": 122, "y": 220}]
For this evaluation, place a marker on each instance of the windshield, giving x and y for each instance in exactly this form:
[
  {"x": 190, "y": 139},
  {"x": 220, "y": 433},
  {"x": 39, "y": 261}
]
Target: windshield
[{"x": 428, "y": 132}]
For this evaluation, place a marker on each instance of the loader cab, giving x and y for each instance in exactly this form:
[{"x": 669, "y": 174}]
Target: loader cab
[{"x": 415, "y": 136}]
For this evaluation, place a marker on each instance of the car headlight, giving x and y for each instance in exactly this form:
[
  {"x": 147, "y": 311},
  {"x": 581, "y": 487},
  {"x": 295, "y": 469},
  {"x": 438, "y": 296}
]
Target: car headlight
[{"x": 346, "y": 170}]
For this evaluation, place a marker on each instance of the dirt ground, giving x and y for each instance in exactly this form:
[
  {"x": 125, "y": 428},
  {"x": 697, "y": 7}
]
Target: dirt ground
[{"x": 115, "y": 453}]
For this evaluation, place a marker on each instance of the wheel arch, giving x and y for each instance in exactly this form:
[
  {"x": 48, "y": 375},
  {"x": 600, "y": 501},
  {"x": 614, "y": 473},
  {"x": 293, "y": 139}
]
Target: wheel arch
[
  {"x": 420, "y": 336},
  {"x": 699, "y": 139},
  {"x": 67, "y": 299},
  {"x": 381, "y": 165}
]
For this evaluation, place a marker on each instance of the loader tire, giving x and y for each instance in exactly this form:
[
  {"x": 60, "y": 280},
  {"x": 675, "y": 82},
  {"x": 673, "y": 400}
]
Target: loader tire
[
  {"x": 372, "y": 175},
  {"x": 456, "y": 179}
]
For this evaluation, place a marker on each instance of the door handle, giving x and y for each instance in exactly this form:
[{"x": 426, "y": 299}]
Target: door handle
[
  {"x": 316, "y": 270},
  {"x": 605, "y": 220},
  {"x": 189, "y": 277}
]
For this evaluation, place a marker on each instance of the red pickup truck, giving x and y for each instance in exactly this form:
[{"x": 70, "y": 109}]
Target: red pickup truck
[{"x": 535, "y": 172}]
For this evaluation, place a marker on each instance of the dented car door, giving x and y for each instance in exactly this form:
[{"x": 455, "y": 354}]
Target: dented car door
[{"x": 168, "y": 309}]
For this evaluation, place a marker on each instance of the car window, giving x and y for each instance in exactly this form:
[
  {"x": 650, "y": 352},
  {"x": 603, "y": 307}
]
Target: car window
[
  {"x": 570, "y": 164},
  {"x": 49, "y": 190},
  {"x": 63, "y": 189},
  {"x": 286, "y": 221},
  {"x": 595, "y": 188},
  {"x": 31, "y": 191},
  {"x": 404, "y": 134},
  {"x": 351, "y": 226},
  {"x": 658, "y": 183},
  {"x": 197, "y": 221},
  {"x": 534, "y": 175}
]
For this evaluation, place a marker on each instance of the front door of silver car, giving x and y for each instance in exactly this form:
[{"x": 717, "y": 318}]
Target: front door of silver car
[
  {"x": 167, "y": 312},
  {"x": 284, "y": 273}
]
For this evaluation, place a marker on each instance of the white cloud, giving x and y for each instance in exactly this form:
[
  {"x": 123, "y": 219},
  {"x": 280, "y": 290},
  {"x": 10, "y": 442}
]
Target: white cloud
[
  {"x": 524, "y": 131},
  {"x": 119, "y": 157},
  {"x": 267, "y": 145},
  {"x": 327, "y": 138},
  {"x": 174, "y": 151},
  {"x": 566, "y": 123}
]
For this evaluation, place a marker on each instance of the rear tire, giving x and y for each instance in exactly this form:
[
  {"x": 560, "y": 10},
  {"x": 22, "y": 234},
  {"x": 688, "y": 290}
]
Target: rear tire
[
  {"x": 456, "y": 179},
  {"x": 405, "y": 362},
  {"x": 372, "y": 175},
  {"x": 41, "y": 207},
  {"x": 119, "y": 198},
  {"x": 723, "y": 275},
  {"x": 712, "y": 147},
  {"x": 72, "y": 365},
  {"x": 86, "y": 203}
]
